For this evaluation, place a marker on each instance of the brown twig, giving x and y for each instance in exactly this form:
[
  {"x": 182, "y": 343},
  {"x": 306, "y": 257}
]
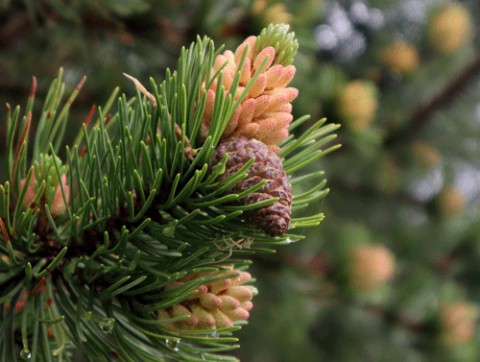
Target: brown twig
[
  {"x": 318, "y": 265},
  {"x": 425, "y": 111},
  {"x": 13, "y": 26},
  {"x": 447, "y": 263},
  {"x": 390, "y": 315}
]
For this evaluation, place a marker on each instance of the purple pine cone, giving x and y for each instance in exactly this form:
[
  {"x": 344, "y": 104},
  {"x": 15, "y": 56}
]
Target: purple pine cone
[{"x": 275, "y": 218}]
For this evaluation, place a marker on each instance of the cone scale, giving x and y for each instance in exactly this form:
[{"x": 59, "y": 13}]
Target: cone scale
[{"x": 273, "y": 219}]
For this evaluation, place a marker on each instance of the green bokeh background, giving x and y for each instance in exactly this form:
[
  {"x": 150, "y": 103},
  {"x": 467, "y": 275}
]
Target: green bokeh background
[{"x": 382, "y": 190}]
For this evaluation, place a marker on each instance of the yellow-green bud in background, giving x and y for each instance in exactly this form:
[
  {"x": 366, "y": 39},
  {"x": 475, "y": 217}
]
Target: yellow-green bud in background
[
  {"x": 450, "y": 28},
  {"x": 457, "y": 323},
  {"x": 400, "y": 56},
  {"x": 426, "y": 154},
  {"x": 371, "y": 267},
  {"x": 357, "y": 104},
  {"x": 451, "y": 201}
]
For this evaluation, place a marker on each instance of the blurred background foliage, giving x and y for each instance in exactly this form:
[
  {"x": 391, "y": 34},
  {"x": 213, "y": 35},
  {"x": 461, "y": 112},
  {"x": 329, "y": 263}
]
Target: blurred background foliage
[{"x": 393, "y": 272}]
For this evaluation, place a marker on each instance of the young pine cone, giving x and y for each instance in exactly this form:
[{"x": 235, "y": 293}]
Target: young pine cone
[
  {"x": 266, "y": 111},
  {"x": 273, "y": 219}
]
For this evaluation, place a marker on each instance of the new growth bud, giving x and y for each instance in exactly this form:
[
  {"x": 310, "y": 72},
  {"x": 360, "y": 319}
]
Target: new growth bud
[
  {"x": 222, "y": 304},
  {"x": 450, "y": 28},
  {"x": 283, "y": 41},
  {"x": 401, "y": 57},
  {"x": 45, "y": 187},
  {"x": 266, "y": 111}
]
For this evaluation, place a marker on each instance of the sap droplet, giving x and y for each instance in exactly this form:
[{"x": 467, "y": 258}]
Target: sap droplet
[
  {"x": 107, "y": 325},
  {"x": 172, "y": 344},
  {"x": 25, "y": 354}
]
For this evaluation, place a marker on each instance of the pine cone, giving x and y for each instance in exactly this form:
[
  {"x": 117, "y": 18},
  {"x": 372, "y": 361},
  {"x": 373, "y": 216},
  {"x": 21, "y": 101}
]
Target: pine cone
[{"x": 275, "y": 218}]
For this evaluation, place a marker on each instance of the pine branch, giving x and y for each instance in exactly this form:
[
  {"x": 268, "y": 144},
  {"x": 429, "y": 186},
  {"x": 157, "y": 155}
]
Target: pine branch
[
  {"x": 135, "y": 240},
  {"x": 424, "y": 112}
]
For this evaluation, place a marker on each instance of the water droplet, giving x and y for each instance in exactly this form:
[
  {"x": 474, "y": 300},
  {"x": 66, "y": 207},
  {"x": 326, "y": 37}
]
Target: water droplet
[
  {"x": 107, "y": 325},
  {"x": 25, "y": 354},
  {"x": 172, "y": 344},
  {"x": 214, "y": 334}
]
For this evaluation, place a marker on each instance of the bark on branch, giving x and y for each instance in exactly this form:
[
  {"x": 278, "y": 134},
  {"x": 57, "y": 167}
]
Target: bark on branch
[{"x": 425, "y": 111}]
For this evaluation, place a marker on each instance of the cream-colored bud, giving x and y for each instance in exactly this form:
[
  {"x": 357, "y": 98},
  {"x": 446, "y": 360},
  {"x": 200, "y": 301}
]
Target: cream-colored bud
[
  {"x": 205, "y": 318},
  {"x": 277, "y": 14},
  {"x": 371, "y": 267},
  {"x": 248, "y": 305},
  {"x": 451, "y": 201},
  {"x": 237, "y": 314},
  {"x": 400, "y": 56},
  {"x": 229, "y": 302},
  {"x": 221, "y": 320},
  {"x": 210, "y": 301},
  {"x": 163, "y": 315},
  {"x": 357, "y": 104},
  {"x": 57, "y": 204},
  {"x": 265, "y": 57},
  {"x": 242, "y": 293},
  {"x": 457, "y": 323},
  {"x": 179, "y": 310},
  {"x": 201, "y": 290},
  {"x": 241, "y": 278},
  {"x": 265, "y": 113},
  {"x": 450, "y": 28},
  {"x": 30, "y": 194},
  {"x": 219, "y": 285},
  {"x": 218, "y": 304}
]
